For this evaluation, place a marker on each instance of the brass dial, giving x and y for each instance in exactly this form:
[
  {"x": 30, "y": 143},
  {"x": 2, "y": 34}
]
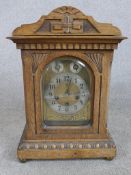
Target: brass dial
[{"x": 67, "y": 93}]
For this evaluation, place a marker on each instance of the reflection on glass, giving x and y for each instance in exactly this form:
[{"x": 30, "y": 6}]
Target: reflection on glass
[{"x": 67, "y": 87}]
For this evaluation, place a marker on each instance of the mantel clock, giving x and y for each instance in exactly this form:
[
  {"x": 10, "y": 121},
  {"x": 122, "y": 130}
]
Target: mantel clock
[{"x": 66, "y": 58}]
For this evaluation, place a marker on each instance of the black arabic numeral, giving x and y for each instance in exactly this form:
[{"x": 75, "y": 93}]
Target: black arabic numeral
[
  {"x": 75, "y": 107},
  {"x": 58, "y": 80},
  {"x": 50, "y": 93},
  {"x": 59, "y": 107},
  {"x": 81, "y": 86},
  {"x": 53, "y": 102},
  {"x": 52, "y": 86}
]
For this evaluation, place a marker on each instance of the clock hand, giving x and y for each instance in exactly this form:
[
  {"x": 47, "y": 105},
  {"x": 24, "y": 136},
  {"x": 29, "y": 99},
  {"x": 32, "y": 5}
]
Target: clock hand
[
  {"x": 79, "y": 94},
  {"x": 53, "y": 97},
  {"x": 63, "y": 96},
  {"x": 68, "y": 87}
]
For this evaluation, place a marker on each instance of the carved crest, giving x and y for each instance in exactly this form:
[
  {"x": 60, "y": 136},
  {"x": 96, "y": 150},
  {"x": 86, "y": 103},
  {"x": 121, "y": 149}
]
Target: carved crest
[{"x": 66, "y": 20}]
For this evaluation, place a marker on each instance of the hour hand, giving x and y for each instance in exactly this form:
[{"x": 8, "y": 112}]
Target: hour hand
[
  {"x": 54, "y": 97},
  {"x": 51, "y": 97},
  {"x": 68, "y": 87}
]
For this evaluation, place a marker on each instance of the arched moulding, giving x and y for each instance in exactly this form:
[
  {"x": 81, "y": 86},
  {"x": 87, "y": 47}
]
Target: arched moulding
[
  {"x": 77, "y": 54},
  {"x": 39, "y": 57},
  {"x": 96, "y": 92}
]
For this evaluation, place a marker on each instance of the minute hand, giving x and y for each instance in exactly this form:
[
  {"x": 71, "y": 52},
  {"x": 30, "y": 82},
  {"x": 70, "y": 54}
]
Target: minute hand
[
  {"x": 79, "y": 94},
  {"x": 68, "y": 86},
  {"x": 66, "y": 95}
]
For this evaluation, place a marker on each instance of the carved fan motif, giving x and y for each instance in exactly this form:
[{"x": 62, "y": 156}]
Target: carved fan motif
[
  {"x": 67, "y": 9},
  {"x": 37, "y": 58},
  {"x": 97, "y": 59}
]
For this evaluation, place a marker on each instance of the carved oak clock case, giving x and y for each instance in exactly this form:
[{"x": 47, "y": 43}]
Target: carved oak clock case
[{"x": 66, "y": 60}]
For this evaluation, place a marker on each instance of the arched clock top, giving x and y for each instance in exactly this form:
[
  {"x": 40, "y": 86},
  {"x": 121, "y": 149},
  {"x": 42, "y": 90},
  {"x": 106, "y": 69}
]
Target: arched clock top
[
  {"x": 89, "y": 59},
  {"x": 66, "y": 20}
]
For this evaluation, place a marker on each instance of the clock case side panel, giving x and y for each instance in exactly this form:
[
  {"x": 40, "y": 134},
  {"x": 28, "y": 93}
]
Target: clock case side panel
[
  {"x": 104, "y": 67},
  {"x": 105, "y": 86},
  {"x": 59, "y": 132},
  {"x": 30, "y": 127}
]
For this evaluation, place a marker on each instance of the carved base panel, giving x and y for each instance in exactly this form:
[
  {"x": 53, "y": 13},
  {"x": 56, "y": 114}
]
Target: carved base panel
[{"x": 34, "y": 149}]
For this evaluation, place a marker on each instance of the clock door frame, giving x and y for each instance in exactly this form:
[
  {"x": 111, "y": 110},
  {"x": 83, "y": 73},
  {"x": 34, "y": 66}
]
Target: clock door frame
[{"x": 66, "y": 131}]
